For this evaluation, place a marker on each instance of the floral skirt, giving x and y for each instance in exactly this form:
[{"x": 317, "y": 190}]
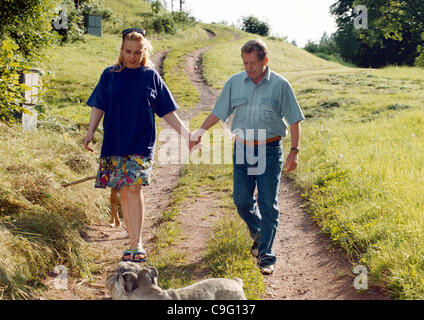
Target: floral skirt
[{"x": 116, "y": 172}]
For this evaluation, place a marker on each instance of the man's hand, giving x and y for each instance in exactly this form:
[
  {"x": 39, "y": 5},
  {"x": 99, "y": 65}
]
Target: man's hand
[{"x": 291, "y": 162}]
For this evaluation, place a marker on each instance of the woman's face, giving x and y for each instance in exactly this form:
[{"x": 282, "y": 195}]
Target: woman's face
[{"x": 132, "y": 52}]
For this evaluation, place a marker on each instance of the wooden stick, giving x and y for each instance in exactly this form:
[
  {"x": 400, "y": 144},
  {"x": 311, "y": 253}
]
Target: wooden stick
[{"x": 78, "y": 181}]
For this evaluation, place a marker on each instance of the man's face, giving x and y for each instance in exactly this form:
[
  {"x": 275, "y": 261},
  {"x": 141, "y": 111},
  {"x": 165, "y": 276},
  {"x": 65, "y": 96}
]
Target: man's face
[
  {"x": 253, "y": 66},
  {"x": 132, "y": 52}
]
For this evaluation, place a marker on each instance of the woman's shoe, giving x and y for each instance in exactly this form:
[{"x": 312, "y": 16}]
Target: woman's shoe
[
  {"x": 139, "y": 252},
  {"x": 128, "y": 256}
]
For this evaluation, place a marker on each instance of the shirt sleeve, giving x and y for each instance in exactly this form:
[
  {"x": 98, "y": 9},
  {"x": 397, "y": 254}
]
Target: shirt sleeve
[
  {"x": 222, "y": 107},
  {"x": 164, "y": 102},
  {"x": 290, "y": 108},
  {"x": 98, "y": 96}
]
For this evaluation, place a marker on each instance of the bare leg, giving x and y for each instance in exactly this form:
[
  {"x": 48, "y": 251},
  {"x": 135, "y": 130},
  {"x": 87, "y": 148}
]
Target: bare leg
[{"x": 132, "y": 204}]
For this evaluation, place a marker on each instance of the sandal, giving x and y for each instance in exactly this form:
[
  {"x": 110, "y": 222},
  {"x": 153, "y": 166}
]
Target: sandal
[
  {"x": 139, "y": 252},
  {"x": 127, "y": 256}
]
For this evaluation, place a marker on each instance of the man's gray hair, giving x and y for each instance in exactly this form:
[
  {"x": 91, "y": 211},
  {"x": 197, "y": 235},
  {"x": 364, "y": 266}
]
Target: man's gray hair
[{"x": 257, "y": 45}]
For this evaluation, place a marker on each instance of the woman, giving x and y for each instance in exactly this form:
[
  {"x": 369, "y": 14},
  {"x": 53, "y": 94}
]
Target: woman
[{"x": 128, "y": 94}]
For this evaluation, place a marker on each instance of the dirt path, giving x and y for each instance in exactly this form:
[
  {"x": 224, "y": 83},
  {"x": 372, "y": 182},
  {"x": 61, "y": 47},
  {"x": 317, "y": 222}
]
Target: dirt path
[{"x": 305, "y": 269}]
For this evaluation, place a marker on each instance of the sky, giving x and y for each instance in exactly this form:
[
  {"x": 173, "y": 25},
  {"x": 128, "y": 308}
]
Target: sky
[{"x": 299, "y": 20}]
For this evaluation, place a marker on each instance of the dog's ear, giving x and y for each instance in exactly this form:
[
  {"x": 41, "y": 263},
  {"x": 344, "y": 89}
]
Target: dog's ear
[
  {"x": 130, "y": 281},
  {"x": 144, "y": 277},
  {"x": 154, "y": 275}
]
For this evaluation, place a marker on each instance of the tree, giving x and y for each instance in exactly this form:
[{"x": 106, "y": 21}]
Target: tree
[
  {"x": 394, "y": 33},
  {"x": 326, "y": 45},
  {"x": 252, "y": 24}
]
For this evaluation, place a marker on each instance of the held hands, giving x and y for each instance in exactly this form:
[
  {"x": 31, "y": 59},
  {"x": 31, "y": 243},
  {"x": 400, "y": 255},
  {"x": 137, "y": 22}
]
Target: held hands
[{"x": 195, "y": 141}]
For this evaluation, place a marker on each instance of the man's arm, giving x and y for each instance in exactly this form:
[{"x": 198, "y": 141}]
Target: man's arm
[{"x": 209, "y": 122}]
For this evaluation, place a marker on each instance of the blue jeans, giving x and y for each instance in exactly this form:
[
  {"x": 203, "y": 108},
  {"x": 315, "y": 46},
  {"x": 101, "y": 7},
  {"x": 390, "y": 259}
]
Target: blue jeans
[{"x": 261, "y": 216}]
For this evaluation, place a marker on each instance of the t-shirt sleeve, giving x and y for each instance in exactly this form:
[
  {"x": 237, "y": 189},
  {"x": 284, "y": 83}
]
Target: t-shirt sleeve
[
  {"x": 98, "y": 96},
  {"x": 222, "y": 107},
  {"x": 290, "y": 108},
  {"x": 164, "y": 102}
]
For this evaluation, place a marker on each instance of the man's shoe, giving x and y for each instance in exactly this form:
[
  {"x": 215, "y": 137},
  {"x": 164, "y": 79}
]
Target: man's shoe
[{"x": 267, "y": 269}]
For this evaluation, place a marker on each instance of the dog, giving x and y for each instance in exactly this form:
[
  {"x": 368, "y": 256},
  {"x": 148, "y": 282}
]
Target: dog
[
  {"x": 132, "y": 281},
  {"x": 115, "y": 200}
]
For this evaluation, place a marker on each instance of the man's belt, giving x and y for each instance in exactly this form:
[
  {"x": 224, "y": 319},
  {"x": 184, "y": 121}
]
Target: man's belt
[{"x": 257, "y": 142}]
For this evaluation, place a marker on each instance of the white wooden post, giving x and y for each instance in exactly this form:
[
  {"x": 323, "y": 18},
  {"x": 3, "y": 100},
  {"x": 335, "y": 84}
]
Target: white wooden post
[{"x": 31, "y": 79}]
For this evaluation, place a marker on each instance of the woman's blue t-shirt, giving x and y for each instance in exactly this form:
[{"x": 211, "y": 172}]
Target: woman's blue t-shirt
[{"x": 130, "y": 99}]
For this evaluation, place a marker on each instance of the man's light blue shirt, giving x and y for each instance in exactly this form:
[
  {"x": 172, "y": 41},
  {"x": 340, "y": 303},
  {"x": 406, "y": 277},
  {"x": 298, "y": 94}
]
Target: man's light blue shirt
[{"x": 267, "y": 105}]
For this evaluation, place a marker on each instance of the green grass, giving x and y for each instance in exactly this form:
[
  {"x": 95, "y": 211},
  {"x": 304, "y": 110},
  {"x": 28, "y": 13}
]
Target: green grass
[
  {"x": 40, "y": 222},
  {"x": 362, "y": 170},
  {"x": 126, "y": 14}
]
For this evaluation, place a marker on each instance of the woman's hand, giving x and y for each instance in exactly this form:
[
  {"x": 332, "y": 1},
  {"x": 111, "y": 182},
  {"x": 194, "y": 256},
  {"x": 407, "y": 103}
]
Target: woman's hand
[
  {"x": 95, "y": 117},
  {"x": 88, "y": 138}
]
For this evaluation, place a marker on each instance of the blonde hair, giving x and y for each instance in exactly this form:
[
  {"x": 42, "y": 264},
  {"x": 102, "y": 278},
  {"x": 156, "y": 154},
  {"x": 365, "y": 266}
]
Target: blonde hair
[{"x": 145, "y": 62}]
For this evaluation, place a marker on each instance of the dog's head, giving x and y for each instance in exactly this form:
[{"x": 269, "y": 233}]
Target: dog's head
[{"x": 131, "y": 277}]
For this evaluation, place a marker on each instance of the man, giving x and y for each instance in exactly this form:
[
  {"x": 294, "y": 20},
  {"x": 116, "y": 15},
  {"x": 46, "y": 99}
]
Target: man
[{"x": 259, "y": 99}]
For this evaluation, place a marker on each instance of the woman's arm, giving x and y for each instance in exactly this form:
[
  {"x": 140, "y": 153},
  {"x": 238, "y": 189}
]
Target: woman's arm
[
  {"x": 175, "y": 122},
  {"x": 95, "y": 117}
]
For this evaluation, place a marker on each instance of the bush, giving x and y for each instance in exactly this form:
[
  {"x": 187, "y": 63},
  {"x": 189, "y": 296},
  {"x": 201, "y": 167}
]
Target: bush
[
  {"x": 165, "y": 22},
  {"x": 28, "y": 23},
  {"x": 252, "y": 24},
  {"x": 11, "y": 92},
  {"x": 95, "y": 7},
  {"x": 419, "y": 61}
]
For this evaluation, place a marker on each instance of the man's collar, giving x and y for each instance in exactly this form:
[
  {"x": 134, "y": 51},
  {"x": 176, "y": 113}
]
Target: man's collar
[{"x": 266, "y": 77}]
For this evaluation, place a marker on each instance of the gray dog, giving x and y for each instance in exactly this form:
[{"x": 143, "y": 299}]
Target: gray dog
[{"x": 131, "y": 281}]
